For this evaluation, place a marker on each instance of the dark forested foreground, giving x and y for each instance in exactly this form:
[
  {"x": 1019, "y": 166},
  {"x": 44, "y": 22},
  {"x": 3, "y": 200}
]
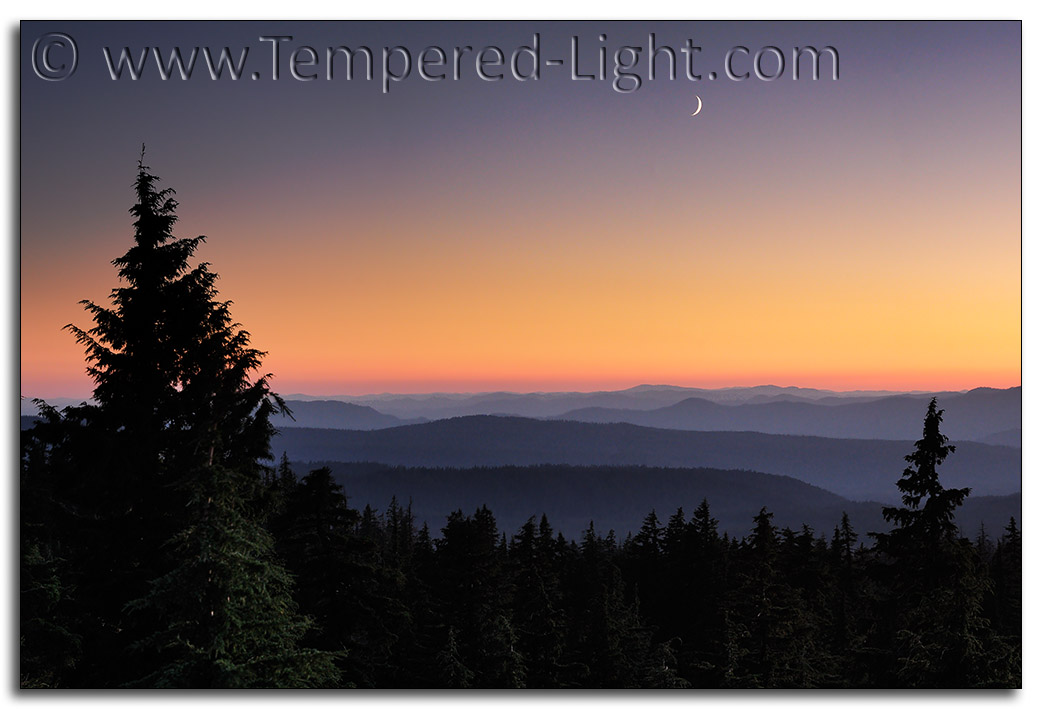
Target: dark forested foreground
[
  {"x": 676, "y": 605},
  {"x": 157, "y": 550}
]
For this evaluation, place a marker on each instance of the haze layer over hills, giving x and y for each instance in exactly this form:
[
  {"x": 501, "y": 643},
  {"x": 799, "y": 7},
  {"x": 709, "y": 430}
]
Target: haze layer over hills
[
  {"x": 808, "y": 454},
  {"x": 855, "y": 469},
  {"x": 985, "y": 415}
]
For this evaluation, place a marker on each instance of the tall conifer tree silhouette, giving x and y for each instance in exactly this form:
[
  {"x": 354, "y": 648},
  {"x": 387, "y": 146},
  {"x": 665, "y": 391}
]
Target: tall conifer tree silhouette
[
  {"x": 934, "y": 588},
  {"x": 189, "y": 422},
  {"x": 929, "y": 508}
]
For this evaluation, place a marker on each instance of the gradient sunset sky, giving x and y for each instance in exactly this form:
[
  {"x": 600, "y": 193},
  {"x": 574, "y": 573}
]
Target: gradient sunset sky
[{"x": 466, "y": 235}]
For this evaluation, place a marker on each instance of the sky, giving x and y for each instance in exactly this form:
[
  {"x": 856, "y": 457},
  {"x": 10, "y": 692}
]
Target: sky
[{"x": 555, "y": 234}]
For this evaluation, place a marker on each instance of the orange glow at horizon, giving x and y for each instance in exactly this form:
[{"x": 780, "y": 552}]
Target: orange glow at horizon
[{"x": 461, "y": 312}]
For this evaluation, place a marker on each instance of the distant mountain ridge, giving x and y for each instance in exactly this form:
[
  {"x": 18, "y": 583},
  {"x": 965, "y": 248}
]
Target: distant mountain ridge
[
  {"x": 550, "y": 404},
  {"x": 974, "y": 415},
  {"x": 981, "y": 414},
  {"x": 985, "y": 415}
]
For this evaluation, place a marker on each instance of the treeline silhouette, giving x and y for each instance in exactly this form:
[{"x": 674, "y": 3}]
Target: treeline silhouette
[
  {"x": 675, "y": 605},
  {"x": 159, "y": 550}
]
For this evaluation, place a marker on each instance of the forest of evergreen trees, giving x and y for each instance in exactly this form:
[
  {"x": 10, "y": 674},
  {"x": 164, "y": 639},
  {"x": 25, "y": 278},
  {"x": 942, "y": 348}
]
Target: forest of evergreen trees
[{"x": 159, "y": 548}]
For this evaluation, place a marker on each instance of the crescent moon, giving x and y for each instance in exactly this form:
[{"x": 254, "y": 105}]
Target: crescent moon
[{"x": 699, "y": 105}]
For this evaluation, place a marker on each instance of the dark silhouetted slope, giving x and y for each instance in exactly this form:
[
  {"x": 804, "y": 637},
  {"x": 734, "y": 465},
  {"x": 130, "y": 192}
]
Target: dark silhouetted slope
[{"x": 336, "y": 414}]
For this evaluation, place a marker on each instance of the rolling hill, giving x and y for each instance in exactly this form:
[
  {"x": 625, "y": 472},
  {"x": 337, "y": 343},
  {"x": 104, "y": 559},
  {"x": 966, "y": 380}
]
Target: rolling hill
[{"x": 324, "y": 413}]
